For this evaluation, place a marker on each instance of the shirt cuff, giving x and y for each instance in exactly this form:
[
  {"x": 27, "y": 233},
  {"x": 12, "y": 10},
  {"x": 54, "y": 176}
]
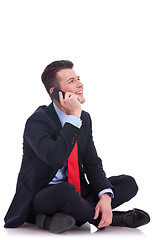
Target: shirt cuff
[
  {"x": 108, "y": 191},
  {"x": 76, "y": 121}
]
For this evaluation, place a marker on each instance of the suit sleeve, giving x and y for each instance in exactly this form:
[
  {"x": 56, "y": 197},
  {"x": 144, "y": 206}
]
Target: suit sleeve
[
  {"x": 93, "y": 165},
  {"x": 51, "y": 147}
]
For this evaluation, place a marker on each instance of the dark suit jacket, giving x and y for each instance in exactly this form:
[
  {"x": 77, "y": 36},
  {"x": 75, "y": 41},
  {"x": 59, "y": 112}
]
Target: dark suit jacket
[{"x": 47, "y": 147}]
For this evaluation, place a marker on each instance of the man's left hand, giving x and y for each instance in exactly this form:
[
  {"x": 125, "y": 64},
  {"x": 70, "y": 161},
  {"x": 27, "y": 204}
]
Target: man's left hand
[{"x": 104, "y": 207}]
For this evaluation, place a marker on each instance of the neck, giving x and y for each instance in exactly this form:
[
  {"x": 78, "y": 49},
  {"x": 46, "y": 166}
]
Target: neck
[{"x": 57, "y": 103}]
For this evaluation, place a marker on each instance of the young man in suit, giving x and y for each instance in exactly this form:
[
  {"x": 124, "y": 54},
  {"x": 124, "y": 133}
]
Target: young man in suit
[{"x": 59, "y": 153}]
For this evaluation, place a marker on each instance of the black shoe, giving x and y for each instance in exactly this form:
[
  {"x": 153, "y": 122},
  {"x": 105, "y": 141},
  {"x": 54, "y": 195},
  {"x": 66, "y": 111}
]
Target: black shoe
[
  {"x": 133, "y": 218},
  {"x": 56, "y": 224}
]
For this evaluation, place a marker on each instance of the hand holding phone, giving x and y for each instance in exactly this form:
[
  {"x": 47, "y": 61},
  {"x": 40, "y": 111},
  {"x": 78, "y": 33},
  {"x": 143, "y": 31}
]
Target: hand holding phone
[
  {"x": 69, "y": 102},
  {"x": 55, "y": 94}
]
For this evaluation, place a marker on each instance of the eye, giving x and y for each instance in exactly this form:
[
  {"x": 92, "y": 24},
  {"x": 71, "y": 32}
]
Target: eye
[{"x": 71, "y": 81}]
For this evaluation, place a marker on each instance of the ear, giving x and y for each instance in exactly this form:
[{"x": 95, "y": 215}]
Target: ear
[{"x": 51, "y": 90}]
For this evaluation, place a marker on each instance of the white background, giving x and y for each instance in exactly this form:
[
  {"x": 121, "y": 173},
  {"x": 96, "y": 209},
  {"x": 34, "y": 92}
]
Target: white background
[{"x": 115, "y": 46}]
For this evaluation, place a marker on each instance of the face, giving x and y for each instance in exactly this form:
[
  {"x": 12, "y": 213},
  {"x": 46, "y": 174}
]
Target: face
[{"x": 69, "y": 81}]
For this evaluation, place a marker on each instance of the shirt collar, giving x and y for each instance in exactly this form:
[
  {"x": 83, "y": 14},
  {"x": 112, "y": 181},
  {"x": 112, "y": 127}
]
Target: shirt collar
[{"x": 62, "y": 116}]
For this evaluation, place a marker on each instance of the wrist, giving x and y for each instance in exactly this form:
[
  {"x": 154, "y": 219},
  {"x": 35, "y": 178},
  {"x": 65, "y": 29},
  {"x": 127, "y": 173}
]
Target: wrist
[
  {"x": 106, "y": 197},
  {"x": 77, "y": 114}
]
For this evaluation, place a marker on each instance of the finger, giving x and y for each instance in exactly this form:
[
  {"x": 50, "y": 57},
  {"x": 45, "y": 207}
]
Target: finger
[
  {"x": 106, "y": 220},
  {"x": 68, "y": 95},
  {"x": 78, "y": 99},
  {"x": 61, "y": 97},
  {"x": 96, "y": 213},
  {"x": 103, "y": 222}
]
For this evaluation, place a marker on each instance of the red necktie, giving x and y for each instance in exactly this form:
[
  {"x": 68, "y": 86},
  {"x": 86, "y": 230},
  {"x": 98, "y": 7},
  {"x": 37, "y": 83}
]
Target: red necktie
[{"x": 73, "y": 168}]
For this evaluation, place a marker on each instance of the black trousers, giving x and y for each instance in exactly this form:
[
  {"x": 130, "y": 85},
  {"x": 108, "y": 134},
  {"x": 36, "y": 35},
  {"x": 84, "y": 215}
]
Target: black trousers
[{"x": 64, "y": 198}]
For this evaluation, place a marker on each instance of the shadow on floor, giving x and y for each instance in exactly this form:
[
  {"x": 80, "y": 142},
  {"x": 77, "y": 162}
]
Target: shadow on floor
[{"x": 29, "y": 230}]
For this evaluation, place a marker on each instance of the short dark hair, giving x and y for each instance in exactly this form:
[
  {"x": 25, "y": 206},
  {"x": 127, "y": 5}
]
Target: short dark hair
[{"x": 49, "y": 78}]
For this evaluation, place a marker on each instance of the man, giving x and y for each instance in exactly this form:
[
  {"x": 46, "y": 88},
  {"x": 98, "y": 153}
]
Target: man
[{"x": 59, "y": 153}]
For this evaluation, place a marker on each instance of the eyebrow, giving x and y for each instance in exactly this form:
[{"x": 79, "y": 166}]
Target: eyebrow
[{"x": 78, "y": 77}]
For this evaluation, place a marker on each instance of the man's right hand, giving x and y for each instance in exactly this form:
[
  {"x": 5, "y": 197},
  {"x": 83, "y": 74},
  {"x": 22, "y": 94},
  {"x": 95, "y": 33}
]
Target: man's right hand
[
  {"x": 70, "y": 104},
  {"x": 104, "y": 207}
]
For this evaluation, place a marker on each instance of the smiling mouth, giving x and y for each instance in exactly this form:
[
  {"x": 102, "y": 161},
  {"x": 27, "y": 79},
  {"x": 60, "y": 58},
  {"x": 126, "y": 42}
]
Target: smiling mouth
[{"x": 79, "y": 92}]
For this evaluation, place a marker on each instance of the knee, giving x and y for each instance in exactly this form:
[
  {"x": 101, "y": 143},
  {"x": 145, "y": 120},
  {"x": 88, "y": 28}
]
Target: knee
[{"x": 131, "y": 184}]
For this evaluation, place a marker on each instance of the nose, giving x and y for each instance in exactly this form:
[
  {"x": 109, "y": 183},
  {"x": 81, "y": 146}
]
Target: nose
[{"x": 79, "y": 84}]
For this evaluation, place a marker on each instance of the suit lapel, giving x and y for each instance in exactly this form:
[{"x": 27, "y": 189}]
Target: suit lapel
[{"x": 53, "y": 115}]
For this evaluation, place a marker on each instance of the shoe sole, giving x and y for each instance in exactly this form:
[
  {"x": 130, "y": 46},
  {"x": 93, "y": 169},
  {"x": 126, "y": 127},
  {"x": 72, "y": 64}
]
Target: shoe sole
[
  {"x": 60, "y": 223},
  {"x": 56, "y": 224},
  {"x": 40, "y": 220}
]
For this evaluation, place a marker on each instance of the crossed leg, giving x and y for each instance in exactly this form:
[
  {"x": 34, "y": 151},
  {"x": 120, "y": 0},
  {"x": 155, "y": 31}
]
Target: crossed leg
[{"x": 63, "y": 198}]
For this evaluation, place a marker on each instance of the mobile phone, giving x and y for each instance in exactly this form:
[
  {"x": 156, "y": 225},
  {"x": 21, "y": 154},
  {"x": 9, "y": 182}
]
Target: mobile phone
[{"x": 55, "y": 94}]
